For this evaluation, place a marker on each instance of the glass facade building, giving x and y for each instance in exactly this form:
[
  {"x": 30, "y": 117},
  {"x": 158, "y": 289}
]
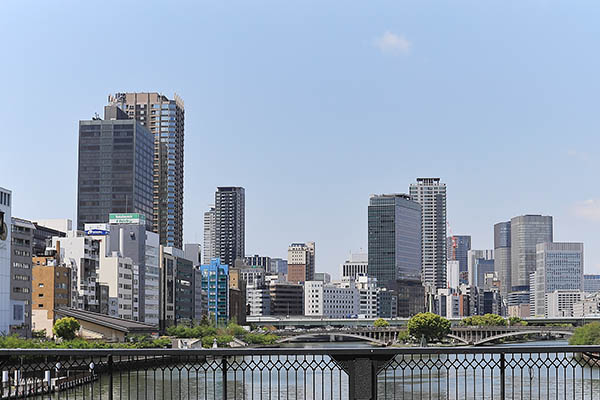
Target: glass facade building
[
  {"x": 526, "y": 232},
  {"x": 502, "y": 256},
  {"x": 559, "y": 266},
  {"x": 230, "y": 205},
  {"x": 215, "y": 283},
  {"x": 165, "y": 119},
  {"x": 115, "y": 168},
  {"x": 394, "y": 239}
]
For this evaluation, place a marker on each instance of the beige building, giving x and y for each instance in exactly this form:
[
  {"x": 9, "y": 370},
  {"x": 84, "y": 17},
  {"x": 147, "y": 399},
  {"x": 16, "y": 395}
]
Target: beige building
[
  {"x": 301, "y": 262},
  {"x": 50, "y": 290}
]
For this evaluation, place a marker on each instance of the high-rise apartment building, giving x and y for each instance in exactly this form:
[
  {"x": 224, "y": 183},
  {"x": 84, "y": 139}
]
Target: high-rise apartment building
[
  {"x": 20, "y": 273},
  {"x": 165, "y": 119},
  {"x": 394, "y": 239},
  {"x": 210, "y": 235},
  {"x": 431, "y": 194},
  {"x": 526, "y": 232},
  {"x": 502, "y": 257},
  {"x": 230, "y": 224},
  {"x": 559, "y": 267},
  {"x": 301, "y": 262},
  {"x": 115, "y": 168}
]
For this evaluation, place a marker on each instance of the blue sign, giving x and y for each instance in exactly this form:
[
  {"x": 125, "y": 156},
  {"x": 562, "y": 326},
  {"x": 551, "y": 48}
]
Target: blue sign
[{"x": 97, "y": 232}]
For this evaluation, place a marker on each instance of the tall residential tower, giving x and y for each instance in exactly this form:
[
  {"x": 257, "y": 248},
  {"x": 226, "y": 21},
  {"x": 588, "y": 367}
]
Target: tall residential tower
[
  {"x": 230, "y": 224},
  {"x": 431, "y": 194},
  {"x": 165, "y": 120}
]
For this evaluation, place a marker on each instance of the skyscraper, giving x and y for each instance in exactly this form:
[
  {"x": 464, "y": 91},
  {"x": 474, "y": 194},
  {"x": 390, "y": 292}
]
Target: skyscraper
[
  {"x": 502, "y": 257},
  {"x": 301, "y": 262},
  {"x": 431, "y": 194},
  {"x": 210, "y": 235},
  {"x": 526, "y": 232},
  {"x": 229, "y": 224},
  {"x": 559, "y": 266},
  {"x": 115, "y": 168},
  {"x": 458, "y": 246},
  {"x": 165, "y": 120},
  {"x": 394, "y": 239}
]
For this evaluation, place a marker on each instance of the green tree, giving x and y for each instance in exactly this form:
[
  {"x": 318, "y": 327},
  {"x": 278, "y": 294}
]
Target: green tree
[
  {"x": 431, "y": 326},
  {"x": 589, "y": 334},
  {"x": 513, "y": 321},
  {"x": 381, "y": 323},
  {"x": 66, "y": 328},
  {"x": 484, "y": 320}
]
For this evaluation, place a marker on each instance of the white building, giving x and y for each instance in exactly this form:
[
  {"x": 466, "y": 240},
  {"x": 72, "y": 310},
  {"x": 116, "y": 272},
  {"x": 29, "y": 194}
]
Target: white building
[
  {"x": 152, "y": 281},
  {"x": 210, "y": 235},
  {"x": 453, "y": 274},
  {"x": 330, "y": 301},
  {"x": 588, "y": 306},
  {"x": 367, "y": 294},
  {"x": 559, "y": 266},
  {"x": 259, "y": 301},
  {"x": 5, "y": 240},
  {"x": 560, "y": 303},
  {"x": 356, "y": 264},
  {"x": 81, "y": 254}
]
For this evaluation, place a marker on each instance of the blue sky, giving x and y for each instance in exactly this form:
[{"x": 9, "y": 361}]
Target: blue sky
[{"x": 314, "y": 105}]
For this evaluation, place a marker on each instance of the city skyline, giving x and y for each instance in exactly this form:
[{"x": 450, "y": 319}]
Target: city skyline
[{"x": 366, "y": 89}]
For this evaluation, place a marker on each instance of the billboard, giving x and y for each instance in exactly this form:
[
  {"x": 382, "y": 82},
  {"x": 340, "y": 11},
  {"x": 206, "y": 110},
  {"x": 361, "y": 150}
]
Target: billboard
[{"x": 129, "y": 218}]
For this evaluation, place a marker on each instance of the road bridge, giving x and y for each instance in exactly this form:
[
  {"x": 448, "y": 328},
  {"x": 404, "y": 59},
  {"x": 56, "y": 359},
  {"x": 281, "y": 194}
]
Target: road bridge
[{"x": 469, "y": 335}]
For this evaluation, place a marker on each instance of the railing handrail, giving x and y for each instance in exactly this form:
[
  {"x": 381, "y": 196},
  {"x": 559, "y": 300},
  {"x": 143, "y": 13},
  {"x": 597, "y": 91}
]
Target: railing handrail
[{"x": 301, "y": 351}]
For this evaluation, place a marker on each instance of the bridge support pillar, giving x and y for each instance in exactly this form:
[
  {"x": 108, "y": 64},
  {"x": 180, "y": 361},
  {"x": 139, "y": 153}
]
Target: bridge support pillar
[{"x": 362, "y": 374}]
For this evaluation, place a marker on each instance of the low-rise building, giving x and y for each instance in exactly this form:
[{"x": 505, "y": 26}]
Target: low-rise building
[
  {"x": 286, "y": 299},
  {"x": 51, "y": 290},
  {"x": 587, "y": 306},
  {"x": 560, "y": 303}
]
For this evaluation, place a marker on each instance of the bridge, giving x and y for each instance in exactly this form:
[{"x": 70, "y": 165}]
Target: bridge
[
  {"x": 468, "y": 335},
  {"x": 293, "y": 321}
]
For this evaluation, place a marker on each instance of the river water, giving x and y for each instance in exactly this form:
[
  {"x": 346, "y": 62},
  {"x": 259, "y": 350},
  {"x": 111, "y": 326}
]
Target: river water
[{"x": 528, "y": 376}]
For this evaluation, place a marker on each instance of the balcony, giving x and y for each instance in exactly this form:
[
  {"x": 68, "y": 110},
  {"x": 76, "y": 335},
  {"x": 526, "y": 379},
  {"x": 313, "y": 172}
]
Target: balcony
[{"x": 306, "y": 373}]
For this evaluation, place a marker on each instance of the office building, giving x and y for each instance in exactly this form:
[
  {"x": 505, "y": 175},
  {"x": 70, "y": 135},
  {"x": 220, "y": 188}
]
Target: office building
[
  {"x": 115, "y": 168},
  {"x": 278, "y": 266},
  {"x": 230, "y": 224},
  {"x": 193, "y": 252},
  {"x": 559, "y": 267},
  {"x": 286, "y": 299},
  {"x": 301, "y": 262},
  {"x": 165, "y": 119},
  {"x": 210, "y": 235},
  {"x": 259, "y": 302},
  {"x": 387, "y": 303},
  {"x": 502, "y": 256},
  {"x": 431, "y": 194},
  {"x": 330, "y": 301},
  {"x": 589, "y": 305},
  {"x": 42, "y": 238},
  {"x": 20, "y": 273},
  {"x": 591, "y": 283},
  {"x": 453, "y": 274},
  {"x": 177, "y": 290},
  {"x": 6, "y": 310},
  {"x": 560, "y": 303},
  {"x": 394, "y": 239},
  {"x": 51, "y": 290},
  {"x": 258, "y": 261},
  {"x": 215, "y": 282},
  {"x": 323, "y": 277},
  {"x": 526, "y": 232},
  {"x": 476, "y": 276},
  {"x": 356, "y": 264},
  {"x": 457, "y": 248}
]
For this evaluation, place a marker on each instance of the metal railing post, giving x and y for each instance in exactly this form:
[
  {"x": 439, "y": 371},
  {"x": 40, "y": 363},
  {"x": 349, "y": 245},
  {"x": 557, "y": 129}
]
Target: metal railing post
[
  {"x": 224, "y": 368},
  {"x": 110, "y": 377},
  {"x": 502, "y": 376}
]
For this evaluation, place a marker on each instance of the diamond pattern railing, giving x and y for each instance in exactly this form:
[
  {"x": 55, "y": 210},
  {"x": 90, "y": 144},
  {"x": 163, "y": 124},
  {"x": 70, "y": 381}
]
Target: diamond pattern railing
[{"x": 516, "y": 372}]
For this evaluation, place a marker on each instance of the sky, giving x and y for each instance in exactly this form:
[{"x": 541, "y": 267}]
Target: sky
[{"x": 313, "y": 106}]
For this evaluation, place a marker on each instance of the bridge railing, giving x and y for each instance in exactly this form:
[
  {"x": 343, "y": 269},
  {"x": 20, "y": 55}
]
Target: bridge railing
[{"x": 305, "y": 373}]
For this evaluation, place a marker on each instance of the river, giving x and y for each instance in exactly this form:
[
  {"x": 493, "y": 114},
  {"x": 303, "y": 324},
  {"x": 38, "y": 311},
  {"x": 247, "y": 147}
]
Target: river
[{"x": 317, "y": 377}]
